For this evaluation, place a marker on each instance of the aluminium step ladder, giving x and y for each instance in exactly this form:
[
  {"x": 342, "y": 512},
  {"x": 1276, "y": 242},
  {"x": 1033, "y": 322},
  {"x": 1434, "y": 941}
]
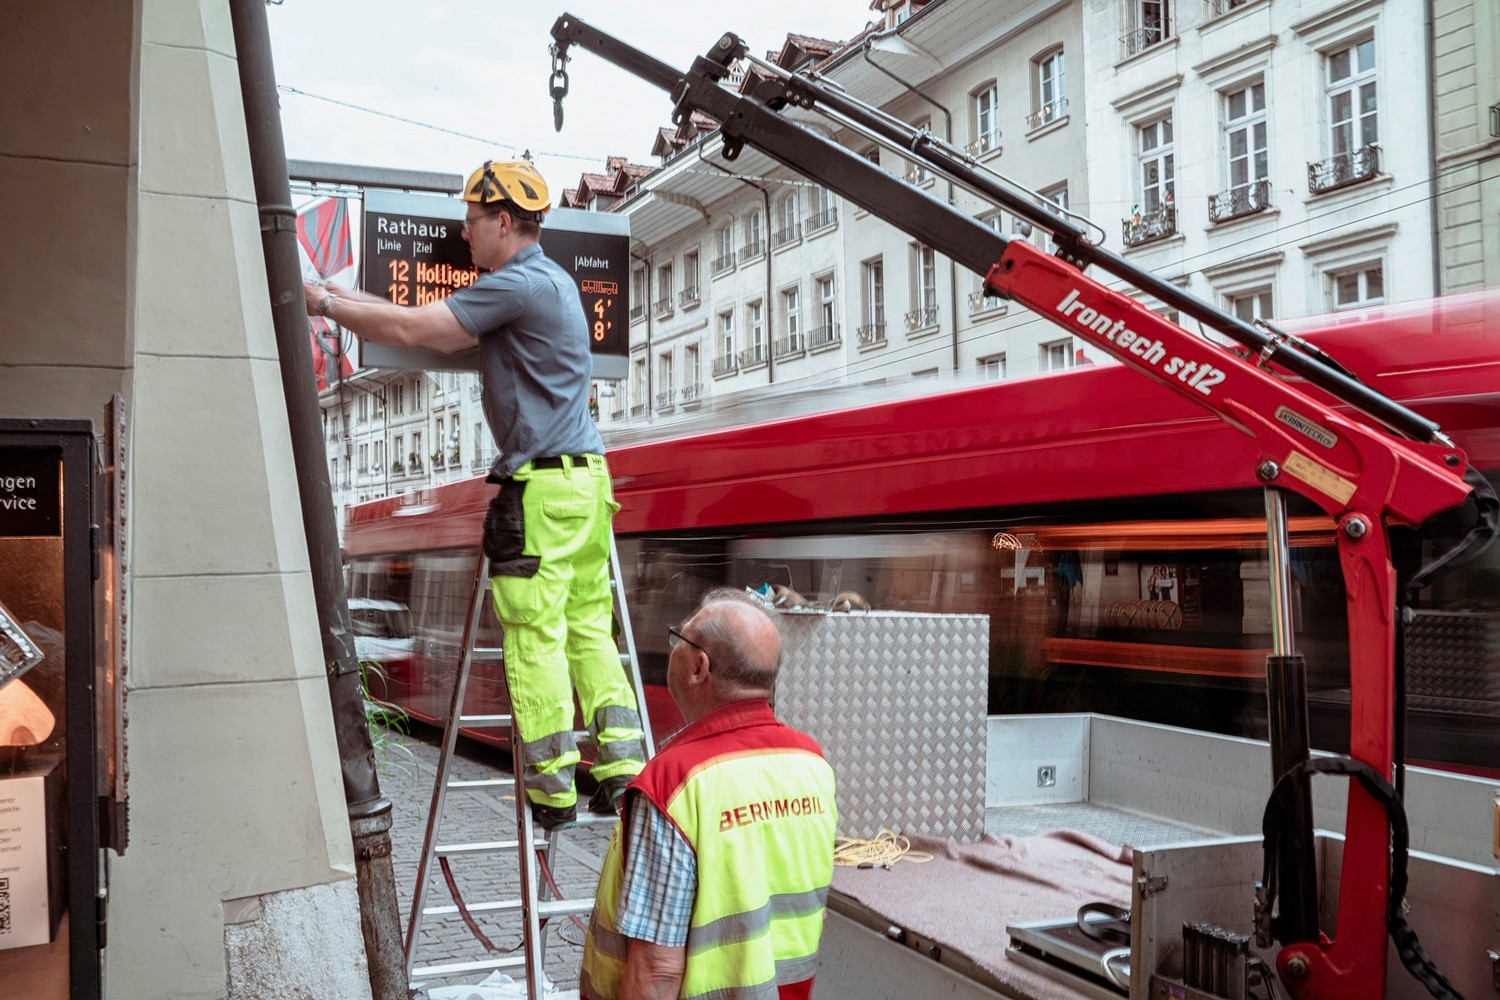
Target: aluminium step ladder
[{"x": 533, "y": 848}]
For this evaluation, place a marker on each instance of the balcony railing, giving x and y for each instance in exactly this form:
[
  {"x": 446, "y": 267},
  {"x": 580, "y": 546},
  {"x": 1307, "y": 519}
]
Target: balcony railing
[
  {"x": 638, "y": 409},
  {"x": 1218, "y": 8},
  {"x": 663, "y": 307},
  {"x": 725, "y": 365},
  {"x": 823, "y": 336},
  {"x": 980, "y": 302},
  {"x": 923, "y": 317},
  {"x": 637, "y": 312},
  {"x": 823, "y": 220},
  {"x": 752, "y": 249},
  {"x": 986, "y": 143},
  {"x": 790, "y": 234},
  {"x": 753, "y": 356},
  {"x": 1142, "y": 39},
  {"x": 664, "y": 398},
  {"x": 1047, "y": 113},
  {"x": 688, "y": 297},
  {"x": 1346, "y": 168},
  {"x": 617, "y": 414},
  {"x": 479, "y": 464},
  {"x": 918, "y": 174},
  {"x": 871, "y": 334},
  {"x": 1158, "y": 225},
  {"x": 692, "y": 393},
  {"x": 790, "y": 347},
  {"x": 1247, "y": 199},
  {"x": 722, "y": 264},
  {"x": 1495, "y": 121}
]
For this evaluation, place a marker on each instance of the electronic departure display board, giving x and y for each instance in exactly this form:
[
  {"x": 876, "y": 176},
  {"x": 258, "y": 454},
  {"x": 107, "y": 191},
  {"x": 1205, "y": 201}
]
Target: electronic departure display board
[{"x": 415, "y": 253}]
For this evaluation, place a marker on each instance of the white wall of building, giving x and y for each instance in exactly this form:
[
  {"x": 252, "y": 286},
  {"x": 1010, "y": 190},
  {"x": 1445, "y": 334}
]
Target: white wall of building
[{"x": 1357, "y": 244}]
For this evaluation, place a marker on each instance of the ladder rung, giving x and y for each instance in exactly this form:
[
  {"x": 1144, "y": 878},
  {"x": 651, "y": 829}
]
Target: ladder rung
[
  {"x": 473, "y": 721},
  {"x": 459, "y": 968},
  {"x": 492, "y": 906},
  {"x": 487, "y": 654},
  {"x": 564, "y": 907},
  {"x": 482, "y": 783},
  {"x": 545, "y": 909},
  {"x": 484, "y": 847}
]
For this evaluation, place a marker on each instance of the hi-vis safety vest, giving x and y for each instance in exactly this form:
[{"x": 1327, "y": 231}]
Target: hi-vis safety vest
[{"x": 754, "y": 799}]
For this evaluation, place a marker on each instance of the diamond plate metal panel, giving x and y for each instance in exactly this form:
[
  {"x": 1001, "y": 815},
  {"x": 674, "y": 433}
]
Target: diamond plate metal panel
[
  {"x": 1453, "y": 662},
  {"x": 897, "y": 701}
]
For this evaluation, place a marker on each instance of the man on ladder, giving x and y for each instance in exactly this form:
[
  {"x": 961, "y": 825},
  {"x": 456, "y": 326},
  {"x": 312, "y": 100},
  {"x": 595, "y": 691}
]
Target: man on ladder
[{"x": 547, "y": 533}]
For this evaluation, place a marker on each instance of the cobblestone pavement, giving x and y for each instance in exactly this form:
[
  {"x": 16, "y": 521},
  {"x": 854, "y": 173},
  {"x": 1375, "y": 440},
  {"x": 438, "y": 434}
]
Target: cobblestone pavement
[{"x": 473, "y": 816}]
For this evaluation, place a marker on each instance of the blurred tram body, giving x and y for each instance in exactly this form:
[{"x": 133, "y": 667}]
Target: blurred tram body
[{"x": 1108, "y": 529}]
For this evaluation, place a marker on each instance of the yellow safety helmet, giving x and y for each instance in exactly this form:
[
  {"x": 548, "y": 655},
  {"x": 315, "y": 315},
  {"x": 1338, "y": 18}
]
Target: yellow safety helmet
[{"x": 517, "y": 183}]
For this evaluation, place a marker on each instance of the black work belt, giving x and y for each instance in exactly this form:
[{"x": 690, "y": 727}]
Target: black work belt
[{"x": 556, "y": 461}]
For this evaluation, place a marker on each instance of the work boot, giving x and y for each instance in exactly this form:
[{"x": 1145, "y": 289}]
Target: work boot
[
  {"x": 551, "y": 818},
  {"x": 610, "y": 797}
]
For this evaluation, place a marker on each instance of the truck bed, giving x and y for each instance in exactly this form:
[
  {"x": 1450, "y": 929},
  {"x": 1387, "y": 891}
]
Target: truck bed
[{"x": 1184, "y": 801}]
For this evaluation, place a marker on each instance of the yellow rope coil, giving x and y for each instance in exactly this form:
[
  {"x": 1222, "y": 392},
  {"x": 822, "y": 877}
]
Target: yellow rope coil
[{"x": 885, "y": 849}]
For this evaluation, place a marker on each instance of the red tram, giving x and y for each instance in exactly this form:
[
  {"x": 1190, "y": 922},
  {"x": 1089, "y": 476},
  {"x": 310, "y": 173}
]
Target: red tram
[{"x": 1109, "y": 530}]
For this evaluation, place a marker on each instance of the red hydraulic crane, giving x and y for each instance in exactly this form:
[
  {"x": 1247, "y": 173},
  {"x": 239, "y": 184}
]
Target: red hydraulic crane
[{"x": 1378, "y": 465}]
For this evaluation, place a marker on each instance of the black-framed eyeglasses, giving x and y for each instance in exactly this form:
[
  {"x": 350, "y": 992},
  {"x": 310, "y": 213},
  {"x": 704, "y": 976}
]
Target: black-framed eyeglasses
[{"x": 674, "y": 635}]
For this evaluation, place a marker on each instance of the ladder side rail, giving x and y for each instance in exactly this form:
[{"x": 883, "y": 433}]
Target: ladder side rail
[
  {"x": 628, "y": 632},
  {"x": 445, "y": 758},
  {"x": 530, "y": 887}
]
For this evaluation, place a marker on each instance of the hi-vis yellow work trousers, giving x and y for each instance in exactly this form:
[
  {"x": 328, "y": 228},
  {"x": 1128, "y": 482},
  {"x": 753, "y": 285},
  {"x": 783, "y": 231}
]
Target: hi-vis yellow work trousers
[{"x": 547, "y": 535}]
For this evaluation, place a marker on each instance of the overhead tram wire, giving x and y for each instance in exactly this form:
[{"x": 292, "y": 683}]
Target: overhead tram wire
[{"x": 517, "y": 150}]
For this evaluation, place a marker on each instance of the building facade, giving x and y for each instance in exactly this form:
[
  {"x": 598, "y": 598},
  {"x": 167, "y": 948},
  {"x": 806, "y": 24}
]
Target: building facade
[
  {"x": 1237, "y": 148},
  {"x": 1466, "y": 115},
  {"x": 749, "y": 276},
  {"x": 397, "y": 432}
]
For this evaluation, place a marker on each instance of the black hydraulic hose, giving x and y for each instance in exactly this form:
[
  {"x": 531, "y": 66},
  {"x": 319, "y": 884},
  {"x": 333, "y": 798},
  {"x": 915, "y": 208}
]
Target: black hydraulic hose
[
  {"x": 1273, "y": 828},
  {"x": 369, "y": 813}
]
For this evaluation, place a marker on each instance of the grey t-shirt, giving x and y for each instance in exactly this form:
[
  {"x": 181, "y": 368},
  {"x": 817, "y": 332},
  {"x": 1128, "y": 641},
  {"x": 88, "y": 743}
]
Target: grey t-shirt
[{"x": 534, "y": 359}]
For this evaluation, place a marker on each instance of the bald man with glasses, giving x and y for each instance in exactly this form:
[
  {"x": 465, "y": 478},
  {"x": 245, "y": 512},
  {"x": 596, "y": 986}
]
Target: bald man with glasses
[{"x": 717, "y": 876}]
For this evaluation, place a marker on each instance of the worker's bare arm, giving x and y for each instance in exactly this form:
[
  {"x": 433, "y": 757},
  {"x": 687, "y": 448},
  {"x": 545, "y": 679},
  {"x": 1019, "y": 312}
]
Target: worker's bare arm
[
  {"x": 432, "y": 327},
  {"x": 652, "y": 971}
]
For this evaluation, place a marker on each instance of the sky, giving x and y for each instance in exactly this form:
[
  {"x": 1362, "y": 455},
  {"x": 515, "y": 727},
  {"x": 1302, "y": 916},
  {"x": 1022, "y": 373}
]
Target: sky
[{"x": 482, "y": 70}]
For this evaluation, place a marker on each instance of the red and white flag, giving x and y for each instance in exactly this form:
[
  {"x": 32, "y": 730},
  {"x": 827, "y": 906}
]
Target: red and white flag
[{"x": 323, "y": 231}]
